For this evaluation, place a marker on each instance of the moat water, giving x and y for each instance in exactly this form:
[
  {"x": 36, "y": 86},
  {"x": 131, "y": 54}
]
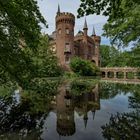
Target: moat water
[{"x": 77, "y": 110}]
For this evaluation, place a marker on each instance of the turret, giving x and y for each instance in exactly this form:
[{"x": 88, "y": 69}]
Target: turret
[
  {"x": 93, "y": 32},
  {"x": 64, "y": 36},
  {"x": 85, "y": 28},
  {"x": 58, "y": 11}
]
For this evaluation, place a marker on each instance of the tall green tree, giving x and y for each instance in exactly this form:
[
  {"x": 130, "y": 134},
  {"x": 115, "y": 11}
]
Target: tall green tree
[
  {"x": 135, "y": 56},
  {"x": 123, "y": 18},
  {"x": 109, "y": 56},
  {"x": 19, "y": 25},
  {"x": 112, "y": 57},
  {"x": 44, "y": 59}
]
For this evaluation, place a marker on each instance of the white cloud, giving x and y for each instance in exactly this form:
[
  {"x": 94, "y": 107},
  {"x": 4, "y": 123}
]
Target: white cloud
[{"x": 48, "y": 9}]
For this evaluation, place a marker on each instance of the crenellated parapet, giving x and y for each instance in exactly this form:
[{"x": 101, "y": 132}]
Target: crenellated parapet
[{"x": 65, "y": 17}]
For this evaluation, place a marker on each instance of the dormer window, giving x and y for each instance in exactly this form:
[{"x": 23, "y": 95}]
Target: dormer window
[{"x": 67, "y": 31}]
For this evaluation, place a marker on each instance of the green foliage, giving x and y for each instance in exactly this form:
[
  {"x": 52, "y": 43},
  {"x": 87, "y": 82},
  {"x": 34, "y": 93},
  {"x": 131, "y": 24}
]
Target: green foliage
[
  {"x": 19, "y": 19},
  {"x": 109, "y": 56},
  {"x": 108, "y": 90},
  {"x": 43, "y": 86},
  {"x": 123, "y": 18},
  {"x": 24, "y": 53},
  {"x": 45, "y": 59},
  {"x": 28, "y": 113},
  {"x": 19, "y": 27},
  {"x": 7, "y": 88},
  {"x": 83, "y": 67},
  {"x": 79, "y": 87},
  {"x": 135, "y": 56},
  {"x": 112, "y": 57},
  {"x": 70, "y": 75},
  {"x": 31, "y": 64}
]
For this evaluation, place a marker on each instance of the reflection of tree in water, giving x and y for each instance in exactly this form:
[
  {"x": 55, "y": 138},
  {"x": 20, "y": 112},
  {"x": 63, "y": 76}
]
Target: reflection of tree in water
[
  {"x": 110, "y": 90},
  {"x": 24, "y": 117},
  {"x": 125, "y": 126},
  {"x": 20, "y": 118}
]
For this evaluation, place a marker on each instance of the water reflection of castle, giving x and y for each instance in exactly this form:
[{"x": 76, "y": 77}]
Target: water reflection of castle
[{"x": 66, "y": 104}]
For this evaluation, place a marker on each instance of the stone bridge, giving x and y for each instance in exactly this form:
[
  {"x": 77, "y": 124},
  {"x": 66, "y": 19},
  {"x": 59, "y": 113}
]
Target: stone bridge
[{"x": 106, "y": 71}]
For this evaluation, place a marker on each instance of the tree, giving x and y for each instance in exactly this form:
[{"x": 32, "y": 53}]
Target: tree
[
  {"x": 109, "y": 56},
  {"x": 123, "y": 18},
  {"x": 135, "y": 56},
  {"x": 44, "y": 59},
  {"x": 19, "y": 25},
  {"x": 112, "y": 57},
  {"x": 83, "y": 67}
]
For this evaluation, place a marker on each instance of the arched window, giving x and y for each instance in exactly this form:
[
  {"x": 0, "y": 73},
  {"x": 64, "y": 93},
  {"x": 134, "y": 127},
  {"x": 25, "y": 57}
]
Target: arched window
[
  {"x": 59, "y": 31},
  {"x": 67, "y": 31}
]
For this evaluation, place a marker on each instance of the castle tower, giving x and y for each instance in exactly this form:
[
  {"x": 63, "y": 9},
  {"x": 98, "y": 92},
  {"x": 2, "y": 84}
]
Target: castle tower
[
  {"x": 97, "y": 40},
  {"x": 64, "y": 37}
]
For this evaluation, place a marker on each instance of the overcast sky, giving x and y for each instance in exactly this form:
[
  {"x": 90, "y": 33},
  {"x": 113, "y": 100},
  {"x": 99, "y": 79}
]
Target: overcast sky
[{"x": 48, "y": 9}]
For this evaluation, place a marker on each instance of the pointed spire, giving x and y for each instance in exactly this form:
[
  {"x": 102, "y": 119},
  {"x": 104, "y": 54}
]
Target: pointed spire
[
  {"x": 58, "y": 11},
  {"x": 93, "y": 32},
  {"x": 85, "y": 25}
]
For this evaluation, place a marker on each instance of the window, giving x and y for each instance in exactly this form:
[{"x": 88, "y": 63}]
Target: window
[
  {"x": 67, "y": 31},
  {"x": 53, "y": 48},
  {"x": 97, "y": 45},
  {"x": 59, "y": 31},
  {"x": 67, "y": 47},
  {"x": 67, "y": 59}
]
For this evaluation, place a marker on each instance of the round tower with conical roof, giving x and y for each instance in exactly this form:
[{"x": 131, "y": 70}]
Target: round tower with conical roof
[{"x": 64, "y": 37}]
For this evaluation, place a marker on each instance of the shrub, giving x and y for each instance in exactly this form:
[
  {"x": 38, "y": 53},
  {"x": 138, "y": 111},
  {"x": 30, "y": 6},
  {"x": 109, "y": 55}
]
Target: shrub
[
  {"x": 70, "y": 75},
  {"x": 83, "y": 67},
  {"x": 79, "y": 87}
]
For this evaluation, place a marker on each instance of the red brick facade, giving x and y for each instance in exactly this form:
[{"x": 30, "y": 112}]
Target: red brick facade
[{"x": 67, "y": 45}]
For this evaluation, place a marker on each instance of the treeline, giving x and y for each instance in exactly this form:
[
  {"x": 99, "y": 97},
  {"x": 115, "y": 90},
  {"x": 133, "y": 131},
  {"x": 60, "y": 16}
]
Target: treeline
[{"x": 113, "y": 57}]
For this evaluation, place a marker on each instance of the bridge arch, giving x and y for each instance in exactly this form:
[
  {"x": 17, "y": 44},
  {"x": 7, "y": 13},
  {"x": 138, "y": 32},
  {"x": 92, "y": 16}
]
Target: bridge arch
[{"x": 113, "y": 72}]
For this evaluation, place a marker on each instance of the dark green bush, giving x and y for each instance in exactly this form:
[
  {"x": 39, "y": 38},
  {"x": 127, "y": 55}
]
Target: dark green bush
[{"x": 83, "y": 67}]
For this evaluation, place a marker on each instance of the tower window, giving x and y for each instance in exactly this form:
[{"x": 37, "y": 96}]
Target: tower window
[
  {"x": 59, "y": 31},
  {"x": 67, "y": 31},
  {"x": 67, "y": 47},
  {"x": 67, "y": 59}
]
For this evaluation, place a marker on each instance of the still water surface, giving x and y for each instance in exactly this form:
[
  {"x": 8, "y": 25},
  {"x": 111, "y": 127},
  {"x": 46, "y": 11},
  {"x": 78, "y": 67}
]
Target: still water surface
[{"x": 78, "y": 110}]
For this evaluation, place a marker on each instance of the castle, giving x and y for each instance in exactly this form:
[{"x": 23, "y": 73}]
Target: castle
[{"x": 67, "y": 45}]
